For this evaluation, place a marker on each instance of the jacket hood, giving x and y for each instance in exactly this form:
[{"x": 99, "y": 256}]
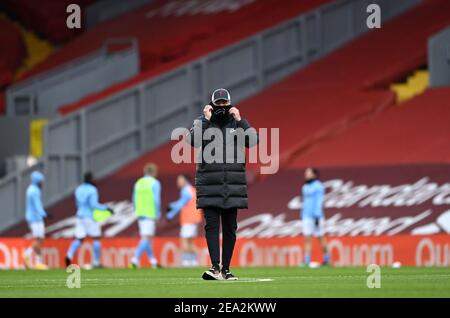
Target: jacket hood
[{"x": 37, "y": 177}]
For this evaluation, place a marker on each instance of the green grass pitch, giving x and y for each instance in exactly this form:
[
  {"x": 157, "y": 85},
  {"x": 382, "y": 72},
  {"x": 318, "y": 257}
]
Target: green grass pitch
[{"x": 254, "y": 282}]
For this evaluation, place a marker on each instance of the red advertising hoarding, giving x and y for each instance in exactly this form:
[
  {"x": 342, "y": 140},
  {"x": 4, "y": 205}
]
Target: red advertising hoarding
[{"x": 433, "y": 250}]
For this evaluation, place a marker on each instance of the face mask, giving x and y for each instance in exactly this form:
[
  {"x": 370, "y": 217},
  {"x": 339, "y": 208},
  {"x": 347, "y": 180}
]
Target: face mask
[{"x": 220, "y": 111}]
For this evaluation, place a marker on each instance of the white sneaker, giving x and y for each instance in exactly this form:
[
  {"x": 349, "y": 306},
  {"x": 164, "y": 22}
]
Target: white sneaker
[{"x": 212, "y": 274}]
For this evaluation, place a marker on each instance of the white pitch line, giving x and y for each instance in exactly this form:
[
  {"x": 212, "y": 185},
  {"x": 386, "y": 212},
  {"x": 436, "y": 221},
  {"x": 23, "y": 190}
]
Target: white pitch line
[
  {"x": 200, "y": 281},
  {"x": 254, "y": 280}
]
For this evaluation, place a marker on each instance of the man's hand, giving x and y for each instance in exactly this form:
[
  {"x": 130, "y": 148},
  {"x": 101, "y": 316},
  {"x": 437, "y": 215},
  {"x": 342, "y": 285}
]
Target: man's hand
[
  {"x": 168, "y": 218},
  {"x": 207, "y": 111},
  {"x": 110, "y": 210},
  {"x": 235, "y": 113}
]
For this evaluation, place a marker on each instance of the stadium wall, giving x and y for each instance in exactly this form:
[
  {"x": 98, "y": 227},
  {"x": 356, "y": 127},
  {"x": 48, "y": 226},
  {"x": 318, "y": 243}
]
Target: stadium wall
[
  {"x": 17, "y": 129},
  {"x": 403, "y": 250},
  {"x": 439, "y": 58}
]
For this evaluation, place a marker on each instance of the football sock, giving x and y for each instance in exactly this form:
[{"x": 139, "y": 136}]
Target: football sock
[
  {"x": 73, "y": 249},
  {"x": 307, "y": 259},
  {"x": 97, "y": 252}
]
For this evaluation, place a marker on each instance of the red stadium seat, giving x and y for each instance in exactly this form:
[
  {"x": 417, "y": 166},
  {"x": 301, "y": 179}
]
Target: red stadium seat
[
  {"x": 13, "y": 51},
  {"x": 11, "y": 55},
  {"x": 48, "y": 18},
  {"x": 2, "y": 102},
  {"x": 416, "y": 132}
]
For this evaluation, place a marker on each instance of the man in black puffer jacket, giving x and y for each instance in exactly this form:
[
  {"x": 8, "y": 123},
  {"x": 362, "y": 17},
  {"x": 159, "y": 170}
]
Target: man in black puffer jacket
[{"x": 220, "y": 179}]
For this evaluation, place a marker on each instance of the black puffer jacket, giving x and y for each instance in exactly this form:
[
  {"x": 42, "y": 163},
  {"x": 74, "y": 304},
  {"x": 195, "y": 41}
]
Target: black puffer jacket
[{"x": 222, "y": 184}]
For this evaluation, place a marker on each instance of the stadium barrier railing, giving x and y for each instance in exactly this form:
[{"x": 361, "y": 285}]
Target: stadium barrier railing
[
  {"x": 44, "y": 93},
  {"x": 104, "y": 10}
]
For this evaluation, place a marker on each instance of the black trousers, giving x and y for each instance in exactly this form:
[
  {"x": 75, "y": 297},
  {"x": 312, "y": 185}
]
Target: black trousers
[{"x": 213, "y": 216}]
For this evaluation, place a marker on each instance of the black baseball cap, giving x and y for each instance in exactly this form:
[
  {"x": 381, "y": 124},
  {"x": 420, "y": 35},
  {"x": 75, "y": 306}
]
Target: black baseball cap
[{"x": 220, "y": 94}]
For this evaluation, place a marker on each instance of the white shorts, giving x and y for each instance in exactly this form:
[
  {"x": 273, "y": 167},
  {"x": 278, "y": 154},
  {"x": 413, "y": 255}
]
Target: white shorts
[
  {"x": 87, "y": 227},
  {"x": 189, "y": 230},
  {"x": 146, "y": 227},
  {"x": 310, "y": 228},
  {"x": 37, "y": 229}
]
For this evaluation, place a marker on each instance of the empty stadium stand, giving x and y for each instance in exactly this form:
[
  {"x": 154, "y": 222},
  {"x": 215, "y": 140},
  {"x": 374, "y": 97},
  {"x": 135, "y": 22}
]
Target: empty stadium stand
[
  {"x": 165, "y": 35},
  {"x": 337, "y": 111},
  {"x": 42, "y": 94},
  {"x": 416, "y": 133},
  {"x": 163, "y": 46},
  {"x": 48, "y": 18},
  {"x": 426, "y": 20},
  {"x": 144, "y": 115},
  {"x": 23, "y": 50},
  {"x": 12, "y": 53},
  {"x": 383, "y": 56}
]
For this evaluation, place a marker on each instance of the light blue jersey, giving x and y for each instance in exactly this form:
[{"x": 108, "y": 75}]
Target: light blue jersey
[
  {"x": 313, "y": 196},
  {"x": 185, "y": 197},
  {"x": 156, "y": 189},
  {"x": 86, "y": 197},
  {"x": 34, "y": 209}
]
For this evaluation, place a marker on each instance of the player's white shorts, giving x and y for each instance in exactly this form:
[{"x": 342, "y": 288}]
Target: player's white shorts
[
  {"x": 310, "y": 228},
  {"x": 37, "y": 229},
  {"x": 87, "y": 227},
  {"x": 189, "y": 230},
  {"x": 146, "y": 227}
]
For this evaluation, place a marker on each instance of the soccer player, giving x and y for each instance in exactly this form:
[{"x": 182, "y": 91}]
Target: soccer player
[
  {"x": 312, "y": 214},
  {"x": 190, "y": 217},
  {"x": 147, "y": 206},
  {"x": 86, "y": 197},
  {"x": 35, "y": 215}
]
